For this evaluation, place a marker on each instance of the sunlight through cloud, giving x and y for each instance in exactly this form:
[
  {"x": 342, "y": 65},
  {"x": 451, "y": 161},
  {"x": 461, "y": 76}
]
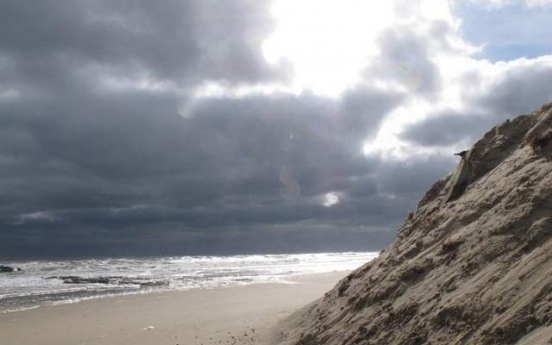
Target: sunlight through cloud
[
  {"x": 327, "y": 42},
  {"x": 331, "y": 199}
]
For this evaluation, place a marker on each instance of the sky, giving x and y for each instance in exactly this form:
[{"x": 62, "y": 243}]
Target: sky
[{"x": 203, "y": 127}]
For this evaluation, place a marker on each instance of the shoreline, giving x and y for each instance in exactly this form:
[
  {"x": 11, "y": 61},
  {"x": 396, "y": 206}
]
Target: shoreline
[
  {"x": 226, "y": 315},
  {"x": 46, "y": 303}
]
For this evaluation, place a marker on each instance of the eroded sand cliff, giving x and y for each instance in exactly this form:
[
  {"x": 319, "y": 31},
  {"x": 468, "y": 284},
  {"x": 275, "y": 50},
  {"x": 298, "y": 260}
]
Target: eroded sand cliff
[{"x": 472, "y": 265}]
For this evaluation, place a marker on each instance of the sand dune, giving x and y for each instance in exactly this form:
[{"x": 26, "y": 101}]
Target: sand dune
[{"x": 472, "y": 265}]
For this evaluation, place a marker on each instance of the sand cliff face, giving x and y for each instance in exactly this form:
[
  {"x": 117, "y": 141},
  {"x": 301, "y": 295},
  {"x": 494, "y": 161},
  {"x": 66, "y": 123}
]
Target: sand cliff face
[{"x": 472, "y": 265}]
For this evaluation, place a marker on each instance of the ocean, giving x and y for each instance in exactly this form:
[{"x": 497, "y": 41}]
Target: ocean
[{"x": 58, "y": 282}]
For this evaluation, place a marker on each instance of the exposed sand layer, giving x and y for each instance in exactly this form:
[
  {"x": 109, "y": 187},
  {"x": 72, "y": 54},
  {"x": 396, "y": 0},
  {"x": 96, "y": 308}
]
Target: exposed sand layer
[
  {"x": 471, "y": 266},
  {"x": 237, "y": 315}
]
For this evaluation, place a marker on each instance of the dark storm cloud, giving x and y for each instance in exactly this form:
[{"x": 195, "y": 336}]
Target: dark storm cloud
[
  {"x": 407, "y": 178},
  {"x": 101, "y": 165},
  {"x": 363, "y": 109},
  {"x": 52, "y": 42},
  {"x": 93, "y": 165},
  {"x": 447, "y": 128}
]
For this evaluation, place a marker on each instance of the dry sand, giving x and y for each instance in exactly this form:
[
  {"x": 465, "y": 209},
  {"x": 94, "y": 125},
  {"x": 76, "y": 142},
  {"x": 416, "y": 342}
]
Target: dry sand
[{"x": 237, "y": 315}]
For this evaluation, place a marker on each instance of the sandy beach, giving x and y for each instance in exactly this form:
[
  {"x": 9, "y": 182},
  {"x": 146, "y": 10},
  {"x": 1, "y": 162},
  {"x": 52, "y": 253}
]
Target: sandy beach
[{"x": 236, "y": 315}]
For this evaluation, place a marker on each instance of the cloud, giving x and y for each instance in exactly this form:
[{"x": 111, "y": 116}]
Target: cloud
[
  {"x": 495, "y": 94},
  {"x": 517, "y": 87},
  {"x": 405, "y": 60},
  {"x": 496, "y": 4},
  {"x": 539, "y": 3},
  {"x": 75, "y": 43},
  {"x": 444, "y": 129},
  {"x": 457, "y": 95},
  {"x": 140, "y": 128},
  {"x": 104, "y": 164}
]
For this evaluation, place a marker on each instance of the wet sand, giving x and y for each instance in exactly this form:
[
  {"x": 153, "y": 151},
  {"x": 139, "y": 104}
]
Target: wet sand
[{"x": 237, "y": 315}]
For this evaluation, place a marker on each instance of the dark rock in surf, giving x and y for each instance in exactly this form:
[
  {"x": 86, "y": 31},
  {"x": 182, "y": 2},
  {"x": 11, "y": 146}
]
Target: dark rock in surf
[
  {"x": 8, "y": 269},
  {"x": 110, "y": 280}
]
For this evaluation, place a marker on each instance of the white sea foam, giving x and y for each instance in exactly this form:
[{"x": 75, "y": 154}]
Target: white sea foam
[
  {"x": 43, "y": 282},
  {"x": 19, "y": 309}
]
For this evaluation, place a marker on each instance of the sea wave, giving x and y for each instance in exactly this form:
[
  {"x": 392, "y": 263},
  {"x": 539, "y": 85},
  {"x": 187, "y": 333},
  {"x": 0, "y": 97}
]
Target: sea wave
[{"x": 47, "y": 282}]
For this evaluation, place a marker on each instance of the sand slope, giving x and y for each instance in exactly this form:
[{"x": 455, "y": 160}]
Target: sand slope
[{"x": 472, "y": 265}]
